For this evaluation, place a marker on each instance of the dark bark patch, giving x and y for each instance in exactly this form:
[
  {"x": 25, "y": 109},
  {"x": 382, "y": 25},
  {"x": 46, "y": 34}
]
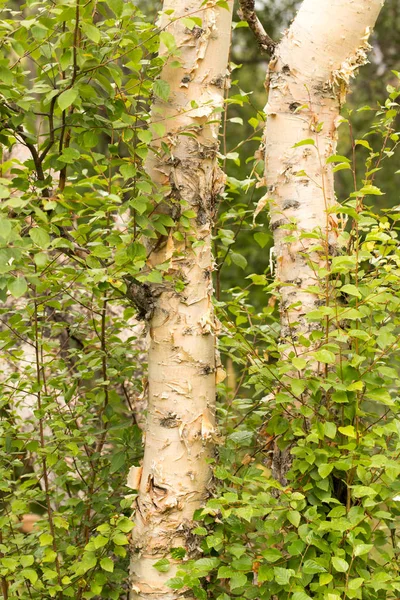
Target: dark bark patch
[
  {"x": 140, "y": 294},
  {"x": 170, "y": 421},
  {"x": 293, "y": 106},
  {"x": 218, "y": 81},
  {"x": 291, "y": 204},
  {"x": 333, "y": 250},
  {"x": 196, "y": 31},
  {"x": 279, "y": 223},
  {"x": 202, "y": 216}
]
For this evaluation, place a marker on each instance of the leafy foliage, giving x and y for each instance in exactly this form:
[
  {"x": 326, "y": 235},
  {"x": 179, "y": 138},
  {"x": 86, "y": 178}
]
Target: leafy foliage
[
  {"x": 330, "y": 531},
  {"x": 75, "y": 94}
]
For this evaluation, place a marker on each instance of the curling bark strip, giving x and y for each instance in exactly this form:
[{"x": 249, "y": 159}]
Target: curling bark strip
[{"x": 183, "y": 368}]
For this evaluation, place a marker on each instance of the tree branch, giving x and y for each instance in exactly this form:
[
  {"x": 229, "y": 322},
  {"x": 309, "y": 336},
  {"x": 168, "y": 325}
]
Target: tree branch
[{"x": 247, "y": 13}]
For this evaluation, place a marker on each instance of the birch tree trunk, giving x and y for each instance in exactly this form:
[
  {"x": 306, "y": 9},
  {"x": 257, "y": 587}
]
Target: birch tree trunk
[
  {"x": 308, "y": 79},
  {"x": 182, "y": 363}
]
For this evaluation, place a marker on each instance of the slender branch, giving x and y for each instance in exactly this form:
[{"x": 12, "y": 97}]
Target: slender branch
[
  {"x": 42, "y": 445},
  {"x": 247, "y": 13},
  {"x": 67, "y": 133},
  {"x": 51, "y": 130},
  {"x": 4, "y": 582}
]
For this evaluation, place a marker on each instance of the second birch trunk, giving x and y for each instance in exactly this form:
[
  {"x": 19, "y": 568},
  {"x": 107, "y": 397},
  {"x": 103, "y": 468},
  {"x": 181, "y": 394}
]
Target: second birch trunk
[{"x": 308, "y": 80}]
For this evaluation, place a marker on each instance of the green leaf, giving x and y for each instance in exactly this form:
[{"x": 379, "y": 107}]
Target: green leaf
[
  {"x": 271, "y": 555},
  {"x": 296, "y": 547},
  {"x": 9, "y": 563},
  {"x": 178, "y": 553},
  {"x": 145, "y": 136},
  {"x": 380, "y": 395},
  {"x": 69, "y": 156},
  {"x": 120, "y": 539},
  {"x": 40, "y": 237},
  {"x": 371, "y": 190},
  {"x": 239, "y": 260},
  {"x": 117, "y": 461},
  {"x": 361, "y": 549},
  {"x": 237, "y": 581},
  {"x": 348, "y": 431},
  {"x": 341, "y": 167},
  {"x": 161, "y": 89},
  {"x": 99, "y": 541},
  {"x": 162, "y": 565},
  {"x": 307, "y": 142},
  {"x": 176, "y": 583},
  {"x": 339, "y": 564},
  {"x": 299, "y": 363},
  {"x": 363, "y": 491},
  {"x": 325, "y": 356},
  {"x": 294, "y": 517},
  {"x": 27, "y": 560},
  {"x": 330, "y": 430},
  {"x": 282, "y": 576},
  {"x": 337, "y": 158},
  {"x": 246, "y": 513},
  {"x": 325, "y": 470},
  {"x": 128, "y": 170},
  {"x": 225, "y": 572},
  {"x": 340, "y": 397},
  {"x": 301, "y": 596},
  {"x": 191, "y": 22},
  {"x": 6, "y": 76},
  {"x": 67, "y": 98},
  {"x": 116, "y": 6},
  {"x": 262, "y": 239},
  {"x": 355, "y": 584},
  {"x": 351, "y": 290},
  {"x": 311, "y": 567},
  {"x": 49, "y": 556},
  {"x": 124, "y": 524},
  {"x": 207, "y": 564},
  {"x": 107, "y": 564},
  {"x": 91, "y": 32},
  {"x": 325, "y": 578},
  {"x": 5, "y": 229},
  {"x": 363, "y": 143},
  {"x": 17, "y": 287},
  {"x": 30, "y": 574},
  {"x": 168, "y": 40}
]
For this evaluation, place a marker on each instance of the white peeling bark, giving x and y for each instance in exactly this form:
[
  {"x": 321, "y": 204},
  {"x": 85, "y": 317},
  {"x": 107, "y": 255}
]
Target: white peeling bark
[
  {"x": 308, "y": 80},
  {"x": 182, "y": 364}
]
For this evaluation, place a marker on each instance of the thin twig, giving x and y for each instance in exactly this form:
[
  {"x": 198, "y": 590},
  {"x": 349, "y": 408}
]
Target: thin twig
[
  {"x": 42, "y": 444},
  {"x": 247, "y": 13}
]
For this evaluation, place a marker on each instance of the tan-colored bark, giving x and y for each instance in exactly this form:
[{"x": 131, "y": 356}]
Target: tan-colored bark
[
  {"x": 308, "y": 79},
  {"x": 182, "y": 363}
]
